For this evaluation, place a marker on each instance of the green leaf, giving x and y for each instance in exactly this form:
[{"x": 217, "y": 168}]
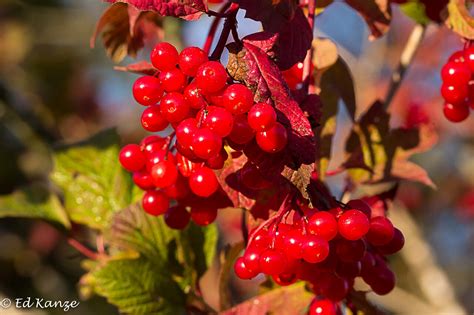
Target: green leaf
[
  {"x": 459, "y": 19},
  {"x": 137, "y": 287},
  {"x": 416, "y": 11},
  {"x": 93, "y": 182},
  {"x": 290, "y": 300},
  {"x": 34, "y": 202}
]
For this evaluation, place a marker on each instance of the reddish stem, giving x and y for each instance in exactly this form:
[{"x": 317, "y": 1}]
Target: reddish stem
[
  {"x": 308, "y": 61},
  {"x": 229, "y": 25},
  {"x": 83, "y": 249},
  {"x": 214, "y": 25}
]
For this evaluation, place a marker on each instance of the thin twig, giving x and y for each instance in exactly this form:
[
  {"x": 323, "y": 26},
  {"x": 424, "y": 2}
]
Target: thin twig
[
  {"x": 406, "y": 58},
  {"x": 81, "y": 248},
  {"x": 212, "y": 30},
  {"x": 229, "y": 24}
]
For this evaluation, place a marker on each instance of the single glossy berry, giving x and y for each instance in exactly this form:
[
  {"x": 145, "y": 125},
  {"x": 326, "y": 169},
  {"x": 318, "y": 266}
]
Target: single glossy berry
[
  {"x": 252, "y": 178},
  {"x": 367, "y": 264},
  {"x": 272, "y": 140},
  {"x": 132, "y": 158},
  {"x": 172, "y": 80},
  {"x": 206, "y": 144},
  {"x": 177, "y": 217},
  {"x": 143, "y": 180},
  {"x": 203, "y": 182},
  {"x": 381, "y": 231},
  {"x": 323, "y": 224},
  {"x": 293, "y": 244},
  {"x": 217, "y": 161},
  {"x": 453, "y": 94},
  {"x": 242, "y": 271},
  {"x": 152, "y": 119},
  {"x": 323, "y": 307},
  {"x": 156, "y": 157},
  {"x": 185, "y": 131},
  {"x": 218, "y": 120},
  {"x": 178, "y": 190},
  {"x": 164, "y": 56},
  {"x": 262, "y": 117},
  {"x": 382, "y": 281},
  {"x": 353, "y": 224},
  {"x": 469, "y": 57},
  {"x": 174, "y": 107},
  {"x": 272, "y": 262},
  {"x": 187, "y": 152},
  {"x": 193, "y": 95},
  {"x": 456, "y": 113},
  {"x": 211, "y": 77},
  {"x": 238, "y": 99},
  {"x": 334, "y": 287},
  {"x": 456, "y": 73},
  {"x": 285, "y": 279},
  {"x": 155, "y": 202},
  {"x": 164, "y": 173},
  {"x": 362, "y": 205},
  {"x": 190, "y": 59},
  {"x": 315, "y": 248},
  {"x": 294, "y": 76},
  {"x": 252, "y": 258},
  {"x": 260, "y": 239},
  {"x": 152, "y": 143},
  {"x": 203, "y": 215},
  {"x": 395, "y": 245},
  {"x": 147, "y": 90},
  {"x": 350, "y": 251},
  {"x": 457, "y": 56},
  {"x": 241, "y": 132}
]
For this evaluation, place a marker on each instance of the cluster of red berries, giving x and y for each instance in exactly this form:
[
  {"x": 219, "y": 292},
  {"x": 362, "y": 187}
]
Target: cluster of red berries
[
  {"x": 328, "y": 249},
  {"x": 458, "y": 87},
  {"x": 193, "y": 96}
]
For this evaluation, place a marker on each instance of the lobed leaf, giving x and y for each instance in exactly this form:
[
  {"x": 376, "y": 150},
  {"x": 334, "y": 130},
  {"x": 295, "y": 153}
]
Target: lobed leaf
[
  {"x": 186, "y": 9},
  {"x": 34, "y": 202}
]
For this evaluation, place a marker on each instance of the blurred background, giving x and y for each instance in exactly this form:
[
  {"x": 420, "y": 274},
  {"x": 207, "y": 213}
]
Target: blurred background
[{"x": 54, "y": 88}]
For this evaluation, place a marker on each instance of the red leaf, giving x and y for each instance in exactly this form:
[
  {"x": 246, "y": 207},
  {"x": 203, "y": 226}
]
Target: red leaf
[
  {"x": 125, "y": 29},
  {"x": 285, "y": 18},
  {"x": 186, "y": 9},
  {"x": 381, "y": 202}
]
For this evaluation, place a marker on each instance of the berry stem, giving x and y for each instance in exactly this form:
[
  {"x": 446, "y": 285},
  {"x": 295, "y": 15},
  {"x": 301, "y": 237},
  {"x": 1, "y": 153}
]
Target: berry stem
[
  {"x": 215, "y": 23},
  {"x": 229, "y": 24},
  {"x": 81, "y": 248},
  {"x": 406, "y": 58},
  {"x": 308, "y": 61}
]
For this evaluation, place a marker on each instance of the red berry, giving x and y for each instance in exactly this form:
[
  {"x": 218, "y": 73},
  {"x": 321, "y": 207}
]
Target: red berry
[
  {"x": 172, "y": 80},
  {"x": 217, "y": 162},
  {"x": 164, "y": 56},
  {"x": 193, "y": 95},
  {"x": 294, "y": 76},
  {"x": 382, "y": 280},
  {"x": 262, "y": 117},
  {"x": 285, "y": 279},
  {"x": 242, "y": 271},
  {"x": 353, "y": 224},
  {"x": 272, "y": 262},
  {"x": 323, "y": 307},
  {"x": 203, "y": 182},
  {"x": 203, "y": 215},
  {"x": 132, "y": 158},
  {"x": 147, "y": 90},
  {"x": 456, "y": 113},
  {"x": 218, "y": 120},
  {"x": 315, "y": 249},
  {"x": 241, "y": 132},
  {"x": 395, "y": 245},
  {"x": 261, "y": 240},
  {"x": 324, "y": 224},
  {"x": 174, "y": 107},
  {"x": 185, "y": 131},
  {"x": 272, "y": 140},
  {"x": 211, "y": 76},
  {"x": 190, "y": 59},
  {"x": 152, "y": 119},
  {"x": 293, "y": 244},
  {"x": 185, "y": 166},
  {"x": 164, "y": 173},
  {"x": 469, "y": 57},
  {"x": 457, "y": 56},
  {"x": 456, "y": 73},
  {"x": 155, "y": 202},
  {"x": 156, "y": 157},
  {"x": 367, "y": 264},
  {"x": 177, "y": 217},
  {"x": 454, "y": 94},
  {"x": 381, "y": 231},
  {"x": 143, "y": 180},
  {"x": 252, "y": 258},
  {"x": 206, "y": 144},
  {"x": 348, "y": 270},
  {"x": 334, "y": 288},
  {"x": 152, "y": 144},
  {"x": 350, "y": 251},
  {"x": 179, "y": 189},
  {"x": 238, "y": 99},
  {"x": 361, "y": 205}
]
